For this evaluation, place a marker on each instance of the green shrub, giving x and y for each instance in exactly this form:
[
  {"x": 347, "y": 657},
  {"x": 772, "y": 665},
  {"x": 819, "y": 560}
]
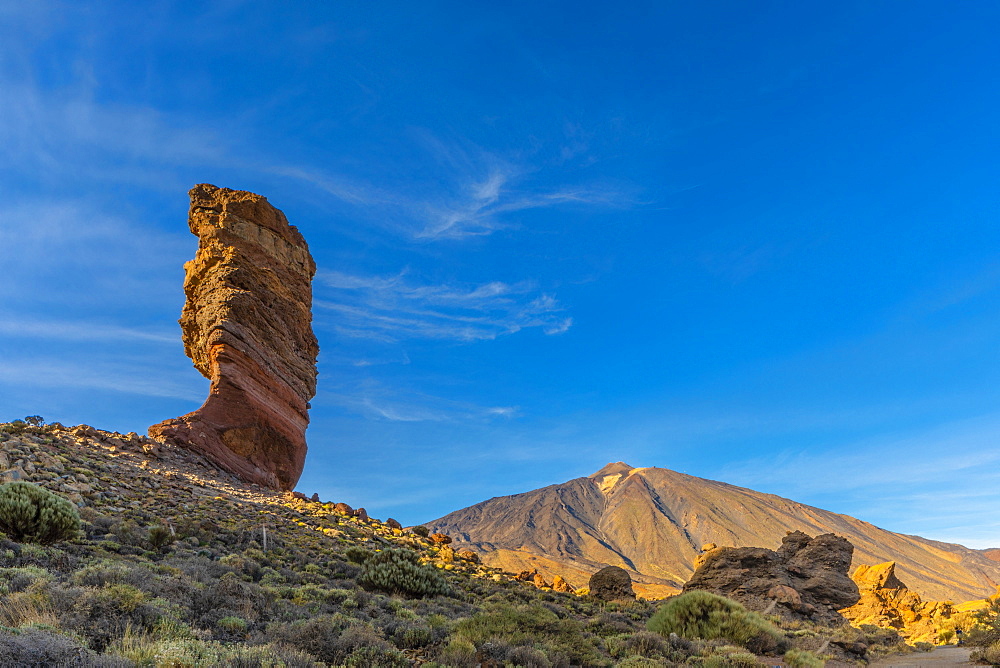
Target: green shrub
[
  {"x": 334, "y": 639},
  {"x": 459, "y": 654},
  {"x": 372, "y": 656},
  {"x": 644, "y": 643},
  {"x": 104, "y": 615},
  {"x": 15, "y": 428},
  {"x": 989, "y": 655},
  {"x": 421, "y": 530},
  {"x": 42, "y": 647},
  {"x": 733, "y": 660},
  {"x": 535, "y": 625},
  {"x": 235, "y": 625},
  {"x": 356, "y": 554},
  {"x": 33, "y": 514},
  {"x": 800, "y": 658},
  {"x": 159, "y": 537},
  {"x": 398, "y": 571},
  {"x": 699, "y": 614},
  {"x": 639, "y": 662},
  {"x": 145, "y": 650},
  {"x": 412, "y": 637},
  {"x": 986, "y": 629}
]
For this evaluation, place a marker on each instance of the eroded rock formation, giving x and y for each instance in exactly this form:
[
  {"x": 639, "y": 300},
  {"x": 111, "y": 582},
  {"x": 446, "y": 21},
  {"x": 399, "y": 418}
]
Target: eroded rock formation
[
  {"x": 247, "y": 326},
  {"x": 887, "y": 602},
  {"x": 805, "y": 577}
]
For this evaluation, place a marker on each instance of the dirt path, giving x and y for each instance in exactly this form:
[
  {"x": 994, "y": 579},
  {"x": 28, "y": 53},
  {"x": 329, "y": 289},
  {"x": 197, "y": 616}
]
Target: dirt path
[{"x": 941, "y": 656}]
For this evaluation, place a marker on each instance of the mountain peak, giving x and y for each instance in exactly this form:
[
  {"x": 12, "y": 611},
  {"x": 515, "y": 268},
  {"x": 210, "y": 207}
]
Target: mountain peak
[{"x": 612, "y": 469}]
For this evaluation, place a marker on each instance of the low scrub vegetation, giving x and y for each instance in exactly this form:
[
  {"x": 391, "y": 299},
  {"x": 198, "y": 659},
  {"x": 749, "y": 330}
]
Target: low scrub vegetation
[
  {"x": 705, "y": 616},
  {"x": 29, "y": 513},
  {"x": 155, "y": 572}
]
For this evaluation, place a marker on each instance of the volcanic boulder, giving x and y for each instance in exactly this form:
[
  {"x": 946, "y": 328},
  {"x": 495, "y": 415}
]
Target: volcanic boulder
[
  {"x": 611, "y": 583},
  {"x": 246, "y": 324},
  {"x": 805, "y": 577}
]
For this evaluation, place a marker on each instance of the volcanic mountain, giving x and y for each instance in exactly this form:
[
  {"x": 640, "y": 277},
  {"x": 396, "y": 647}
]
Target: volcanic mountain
[{"x": 653, "y": 522}]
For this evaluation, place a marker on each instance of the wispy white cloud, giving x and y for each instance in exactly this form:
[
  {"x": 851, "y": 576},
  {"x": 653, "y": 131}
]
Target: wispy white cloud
[
  {"x": 378, "y": 401},
  {"x": 470, "y": 192},
  {"x": 392, "y": 308},
  {"x": 59, "y": 374},
  {"x": 71, "y": 131},
  {"x": 487, "y": 190},
  {"x": 76, "y": 252},
  {"x": 68, "y": 132},
  {"x": 79, "y": 330}
]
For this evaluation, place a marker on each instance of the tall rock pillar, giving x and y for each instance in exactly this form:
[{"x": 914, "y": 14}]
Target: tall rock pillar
[{"x": 247, "y": 327}]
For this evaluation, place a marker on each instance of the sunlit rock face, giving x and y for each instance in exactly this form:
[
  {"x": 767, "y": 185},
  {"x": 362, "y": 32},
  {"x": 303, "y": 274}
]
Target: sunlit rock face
[
  {"x": 887, "y": 602},
  {"x": 247, "y": 326}
]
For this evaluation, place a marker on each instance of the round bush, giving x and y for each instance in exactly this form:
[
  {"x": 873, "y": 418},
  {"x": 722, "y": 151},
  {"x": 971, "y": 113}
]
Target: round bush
[
  {"x": 33, "y": 514},
  {"x": 699, "y": 614},
  {"x": 398, "y": 571},
  {"x": 800, "y": 658}
]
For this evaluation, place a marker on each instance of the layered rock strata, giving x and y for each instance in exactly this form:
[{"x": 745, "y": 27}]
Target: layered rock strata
[
  {"x": 246, "y": 325},
  {"x": 805, "y": 578}
]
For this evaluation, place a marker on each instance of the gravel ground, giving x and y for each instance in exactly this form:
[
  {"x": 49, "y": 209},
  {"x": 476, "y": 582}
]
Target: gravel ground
[{"x": 941, "y": 656}]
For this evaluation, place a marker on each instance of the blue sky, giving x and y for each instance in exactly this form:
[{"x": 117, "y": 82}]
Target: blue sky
[{"x": 754, "y": 242}]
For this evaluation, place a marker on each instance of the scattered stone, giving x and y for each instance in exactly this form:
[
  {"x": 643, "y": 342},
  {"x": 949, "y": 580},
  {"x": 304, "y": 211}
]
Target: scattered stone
[
  {"x": 440, "y": 538},
  {"x": 361, "y": 514},
  {"x": 467, "y": 555},
  {"x": 612, "y": 583},
  {"x": 344, "y": 509},
  {"x": 247, "y": 326},
  {"x": 393, "y": 524},
  {"x": 85, "y": 431},
  {"x": 13, "y": 475},
  {"x": 314, "y": 498},
  {"x": 559, "y": 584}
]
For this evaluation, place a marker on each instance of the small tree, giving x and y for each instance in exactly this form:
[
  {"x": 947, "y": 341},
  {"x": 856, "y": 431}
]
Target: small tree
[{"x": 33, "y": 514}]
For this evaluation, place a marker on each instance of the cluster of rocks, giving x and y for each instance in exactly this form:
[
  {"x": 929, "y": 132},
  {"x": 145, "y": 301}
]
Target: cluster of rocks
[
  {"x": 534, "y": 577},
  {"x": 888, "y": 603},
  {"x": 805, "y": 578},
  {"x": 88, "y": 466}
]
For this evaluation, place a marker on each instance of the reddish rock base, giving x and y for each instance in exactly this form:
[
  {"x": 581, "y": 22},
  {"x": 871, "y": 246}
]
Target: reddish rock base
[{"x": 245, "y": 426}]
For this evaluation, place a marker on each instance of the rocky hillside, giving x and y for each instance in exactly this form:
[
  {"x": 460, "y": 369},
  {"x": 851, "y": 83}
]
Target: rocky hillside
[
  {"x": 178, "y": 563},
  {"x": 653, "y": 522}
]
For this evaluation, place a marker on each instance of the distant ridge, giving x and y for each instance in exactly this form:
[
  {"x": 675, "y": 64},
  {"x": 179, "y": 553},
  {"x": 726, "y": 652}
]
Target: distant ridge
[{"x": 654, "y": 521}]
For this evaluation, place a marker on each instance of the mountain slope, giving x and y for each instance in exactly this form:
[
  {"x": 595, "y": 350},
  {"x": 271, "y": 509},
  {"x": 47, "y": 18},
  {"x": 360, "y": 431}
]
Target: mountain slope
[{"x": 653, "y": 522}]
